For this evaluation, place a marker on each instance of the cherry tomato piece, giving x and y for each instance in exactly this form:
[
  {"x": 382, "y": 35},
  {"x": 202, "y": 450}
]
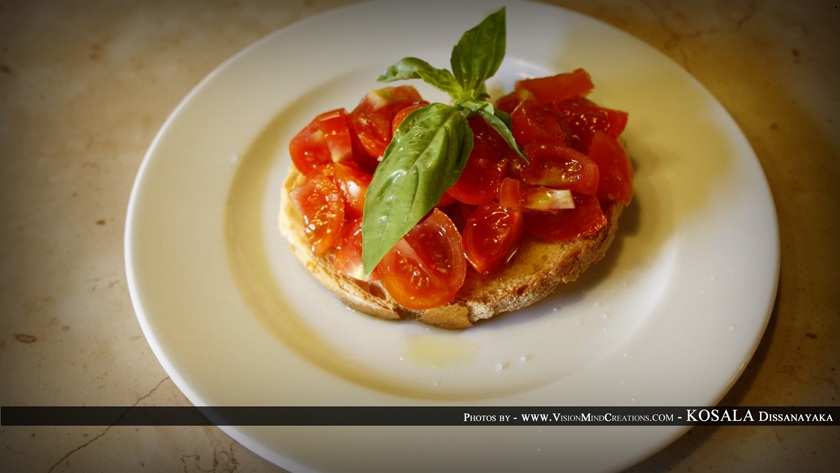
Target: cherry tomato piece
[
  {"x": 320, "y": 203},
  {"x": 371, "y": 120},
  {"x": 560, "y": 167},
  {"x": 353, "y": 185},
  {"x": 584, "y": 118},
  {"x": 558, "y": 87},
  {"x": 326, "y": 139},
  {"x": 585, "y": 219},
  {"x": 348, "y": 254},
  {"x": 404, "y": 112},
  {"x": 616, "y": 179},
  {"x": 427, "y": 267},
  {"x": 491, "y": 236},
  {"x": 486, "y": 166},
  {"x": 535, "y": 123}
]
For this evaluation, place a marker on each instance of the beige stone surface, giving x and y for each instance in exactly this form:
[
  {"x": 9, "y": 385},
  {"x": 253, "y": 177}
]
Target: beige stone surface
[{"x": 85, "y": 85}]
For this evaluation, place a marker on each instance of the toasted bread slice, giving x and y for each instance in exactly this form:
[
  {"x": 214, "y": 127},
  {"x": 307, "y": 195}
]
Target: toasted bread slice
[{"x": 536, "y": 269}]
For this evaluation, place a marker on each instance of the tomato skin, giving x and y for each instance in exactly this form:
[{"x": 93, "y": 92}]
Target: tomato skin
[
  {"x": 508, "y": 103},
  {"x": 584, "y": 118},
  {"x": 486, "y": 166},
  {"x": 491, "y": 236},
  {"x": 515, "y": 194},
  {"x": 348, "y": 254},
  {"x": 510, "y": 193},
  {"x": 404, "y": 112},
  {"x": 427, "y": 267},
  {"x": 371, "y": 120},
  {"x": 558, "y": 87},
  {"x": 353, "y": 185},
  {"x": 535, "y": 123},
  {"x": 560, "y": 167},
  {"x": 326, "y": 139},
  {"x": 320, "y": 203},
  {"x": 587, "y": 218},
  {"x": 616, "y": 178}
]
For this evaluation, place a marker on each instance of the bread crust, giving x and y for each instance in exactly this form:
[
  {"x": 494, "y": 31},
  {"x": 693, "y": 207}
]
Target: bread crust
[{"x": 534, "y": 272}]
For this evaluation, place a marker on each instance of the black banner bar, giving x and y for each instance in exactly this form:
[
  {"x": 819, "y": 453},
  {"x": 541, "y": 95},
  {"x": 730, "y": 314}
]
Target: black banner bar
[{"x": 416, "y": 416}]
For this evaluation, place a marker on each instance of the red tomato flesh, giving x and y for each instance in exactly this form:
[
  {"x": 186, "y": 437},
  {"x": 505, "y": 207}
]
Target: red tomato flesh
[
  {"x": 616, "y": 178},
  {"x": 584, "y": 118},
  {"x": 348, "y": 254},
  {"x": 371, "y": 120},
  {"x": 558, "y": 87},
  {"x": 326, "y": 139},
  {"x": 320, "y": 203},
  {"x": 535, "y": 123},
  {"x": 486, "y": 166},
  {"x": 491, "y": 236},
  {"x": 560, "y": 167},
  {"x": 427, "y": 267},
  {"x": 353, "y": 185},
  {"x": 585, "y": 219}
]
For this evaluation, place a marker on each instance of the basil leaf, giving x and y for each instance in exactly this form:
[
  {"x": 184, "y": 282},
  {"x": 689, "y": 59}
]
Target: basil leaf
[
  {"x": 502, "y": 126},
  {"x": 478, "y": 55},
  {"x": 424, "y": 159},
  {"x": 413, "y": 68},
  {"x": 498, "y": 119}
]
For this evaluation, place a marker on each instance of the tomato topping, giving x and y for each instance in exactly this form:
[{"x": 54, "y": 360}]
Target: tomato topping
[
  {"x": 322, "y": 207},
  {"x": 535, "y": 123},
  {"x": 491, "y": 236},
  {"x": 616, "y": 179},
  {"x": 510, "y": 193},
  {"x": 324, "y": 140},
  {"x": 557, "y": 166},
  {"x": 371, "y": 120},
  {"x": 508, "y": 103},
  {"x": 404, "y": 112},
  {"x": 585, "y": 219},
  {"x": 558, "y": 87},
  {"x": 353, "y": 185},
  {"x": 348, "y": 254},
  {"x": 486, "y": 166},
  {"x": 584, "y": 118},
  {"x": 427, "y": 267},
  {"x": 513, "y": 193}
]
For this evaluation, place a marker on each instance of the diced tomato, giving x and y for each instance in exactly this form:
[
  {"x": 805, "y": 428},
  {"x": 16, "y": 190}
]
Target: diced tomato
[
  {"x": 508, "y": 103},
  {"x": 427, "y": 267},
  {"x": 326, "y": 139},
  {"x": 558, "y": 87},
  {"x": 353, "y": 184},
  {"x": 547, "y": 198},
  {"x": 371, "y": 119},
  {"x": 535, "y": 123},
  {"x": 616, "y": 179},
  {"x": 491, "y": 235},
  {"x": 404, "y": 112},
  {"x": 560, "y": 167},
  {"x": 336, "y": 130},
  {"x": 319, "y": 201},
  {"x": 584, "y": 118},
  {"x": 510, "y": 193},
  {"x": 585, "y": 219},
  {"x": 348, "y": 254},
  {"x": 515, "y": 194},
  {"x": 486, "y": 166}
]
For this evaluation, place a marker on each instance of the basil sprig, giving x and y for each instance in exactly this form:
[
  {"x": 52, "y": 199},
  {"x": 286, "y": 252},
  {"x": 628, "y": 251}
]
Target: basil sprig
[{"x": 430, "y": 148}]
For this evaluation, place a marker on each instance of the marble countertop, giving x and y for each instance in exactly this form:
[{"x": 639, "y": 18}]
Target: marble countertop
[{"x": 84, "y": 87}]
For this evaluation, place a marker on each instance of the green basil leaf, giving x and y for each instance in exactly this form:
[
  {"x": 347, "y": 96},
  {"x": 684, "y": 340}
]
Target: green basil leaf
[
  {"x": 424, "y": 159},
  {"x": 413, "y": 68},
  {"x": 478, "y": 55},
  {"x": 498, "y": 119}
]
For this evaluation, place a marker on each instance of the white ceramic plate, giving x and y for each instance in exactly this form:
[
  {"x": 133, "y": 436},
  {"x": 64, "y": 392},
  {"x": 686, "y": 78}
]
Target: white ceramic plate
[{"x": 671, "y": 317}]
